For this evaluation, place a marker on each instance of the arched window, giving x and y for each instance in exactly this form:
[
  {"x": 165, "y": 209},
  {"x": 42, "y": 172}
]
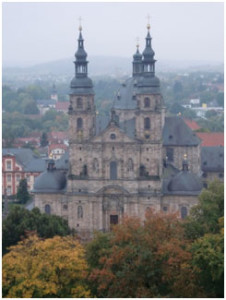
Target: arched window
[
  {"x": 47, "y": 209},
  {"x": 79, "y": 102},
  {"x": 142, "y": 171},
  {"x": 147, "y": 123},
  {"x": 113, "y": 136},
  {"x": 147, "y": 211},
  {"x": 184, "y": 212},
  {"x": 79, "y": 123},
  {"x": 113, "y": 170},
  {"x": 80, "y": 212},
  {"x": 146, "y": 102},
  {"x": 130, "y": 165}
]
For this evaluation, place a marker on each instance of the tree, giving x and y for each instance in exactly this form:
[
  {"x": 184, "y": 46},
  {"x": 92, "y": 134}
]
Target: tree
[
  {"x": 177, "y": 88},
  {"x": 176, "y": 108},
  {"x": 210, "y": 113},
  {"x": 20, "y": 220},
  {"x": 208, "y": 257},
  {"x": 51, "y": 268},
  {"x": 189, "y": 114},
  {"x": 144, "y": 260},
  {"x": 204, "y": 216},
  {"x": 22, "y": 193},
  {"x": 44, "y": 139},
  {"x": 220, "y": 99}
]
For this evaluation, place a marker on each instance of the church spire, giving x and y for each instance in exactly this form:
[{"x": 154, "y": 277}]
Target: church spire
[
  {"x": 137, "y": 62},
  {"x": 148, "y": 56},
  {"x": 81, "y": 83},
  {"x": 81, "y": 69}
]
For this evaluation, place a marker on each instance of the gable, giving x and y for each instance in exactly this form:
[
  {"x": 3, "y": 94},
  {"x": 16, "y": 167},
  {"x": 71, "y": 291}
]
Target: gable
[{"x": 113, "y": 134}]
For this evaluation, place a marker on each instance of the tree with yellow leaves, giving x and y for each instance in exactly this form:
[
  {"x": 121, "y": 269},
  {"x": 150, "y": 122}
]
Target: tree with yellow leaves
[{"x": 37, "y": 268}]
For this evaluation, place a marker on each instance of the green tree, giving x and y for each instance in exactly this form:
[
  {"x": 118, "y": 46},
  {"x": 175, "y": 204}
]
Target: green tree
[
  {"x": 189, "y": 113},
  {"x": 44, "y": 139},
  {"x": 210, "y": 113},
  {"x": 176, "y": 108},
  {"x": 204, "y": 216},
  {"x": 20, "y": 220},
  {"x": 220, "y": 99},
  {"x": 22, "y": 193},
  {"x": 178, "y": 87},
  {"x": 51, "y": 268},
  {"x": 208, "y": 257}
]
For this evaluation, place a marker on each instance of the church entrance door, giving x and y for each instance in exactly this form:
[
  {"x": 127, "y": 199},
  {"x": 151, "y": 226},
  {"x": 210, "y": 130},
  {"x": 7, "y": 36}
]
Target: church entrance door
[{"x": 113, "y": 220}]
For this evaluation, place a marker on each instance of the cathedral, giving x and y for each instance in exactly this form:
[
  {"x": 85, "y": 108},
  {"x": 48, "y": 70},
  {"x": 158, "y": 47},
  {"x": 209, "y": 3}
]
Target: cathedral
[{"x": 137, "y": 160}]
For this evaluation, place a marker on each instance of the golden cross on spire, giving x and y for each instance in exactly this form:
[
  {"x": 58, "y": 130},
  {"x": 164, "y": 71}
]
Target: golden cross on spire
[
  {"x": 80, "y": 23},
  {"x": 148, "y": 18},
  {"x": 137, "y": 40}
]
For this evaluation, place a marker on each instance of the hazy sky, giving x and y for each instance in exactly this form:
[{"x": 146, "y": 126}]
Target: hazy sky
[{"x": 41, "y": 32}]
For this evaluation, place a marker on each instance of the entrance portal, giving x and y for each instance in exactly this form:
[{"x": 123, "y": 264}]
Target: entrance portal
[{"x": 113, "y": 220}]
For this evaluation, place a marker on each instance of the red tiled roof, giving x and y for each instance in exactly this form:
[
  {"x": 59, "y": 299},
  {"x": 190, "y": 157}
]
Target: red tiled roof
[
  {"x": 191, "y": 124},
  {"x": 210, "y": 139},
  {"x": 57, "y": 146},
  {"x": 59, "y": 135},
  {"x": 62, "y": 105},
  {"x": 28, "y": 139}
]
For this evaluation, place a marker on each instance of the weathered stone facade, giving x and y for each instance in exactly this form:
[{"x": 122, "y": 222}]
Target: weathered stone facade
[{"x": 118, "y": 171}]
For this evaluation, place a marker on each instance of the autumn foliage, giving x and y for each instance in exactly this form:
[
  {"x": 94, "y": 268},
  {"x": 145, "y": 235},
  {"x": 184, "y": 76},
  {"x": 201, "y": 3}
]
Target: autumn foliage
[
  {"x": 162, "y": 256},
  {"x": 146, "y": 260},
  {"x": 37, "y": 268}
]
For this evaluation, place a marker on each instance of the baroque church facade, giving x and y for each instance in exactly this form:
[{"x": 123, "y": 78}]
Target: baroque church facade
[{"x": 135, "y": 161}]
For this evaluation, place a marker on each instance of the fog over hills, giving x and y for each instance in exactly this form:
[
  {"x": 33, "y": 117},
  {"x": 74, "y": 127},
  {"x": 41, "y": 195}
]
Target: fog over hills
[{"x": 111, "y": 66}]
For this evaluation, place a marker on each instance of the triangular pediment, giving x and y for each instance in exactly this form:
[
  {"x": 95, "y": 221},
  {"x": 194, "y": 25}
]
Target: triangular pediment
[{"x": 113, "y": 134}]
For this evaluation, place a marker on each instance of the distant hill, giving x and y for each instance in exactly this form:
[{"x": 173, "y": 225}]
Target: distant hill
[{"x": 111, "y": 66}]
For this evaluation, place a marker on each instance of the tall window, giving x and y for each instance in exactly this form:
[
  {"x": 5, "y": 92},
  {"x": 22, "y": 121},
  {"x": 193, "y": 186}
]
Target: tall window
[
  {"x": 147, "y": 123},
  {"x": 79, "y": 102},
  {"x": 9, "y": 190},
  {"x": 47, "y": 209},
  {"x": 184, "y": 212},
  {"x": 79, "y": 123},
  {"x": 170, "y": 154},
  {"x": 113, "y": 170},
  {"x": 8, "y": 165},
  {"x": 146, "y": 102}
]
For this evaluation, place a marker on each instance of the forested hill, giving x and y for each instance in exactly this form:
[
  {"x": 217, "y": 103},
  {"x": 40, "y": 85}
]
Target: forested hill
[{"x": 106, "y": 65}]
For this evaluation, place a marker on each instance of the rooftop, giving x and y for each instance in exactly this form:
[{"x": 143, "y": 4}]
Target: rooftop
[
  {"x": 212, "y": 159},
  {"x": 177, "y": 133},
  {"x": 191, "y": 124},
  {"x": 210, "y": 139}
]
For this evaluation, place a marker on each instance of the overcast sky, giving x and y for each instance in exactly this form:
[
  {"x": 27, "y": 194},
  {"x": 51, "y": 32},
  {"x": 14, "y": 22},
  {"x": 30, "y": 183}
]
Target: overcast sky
[{"x": 41, "y": 32}]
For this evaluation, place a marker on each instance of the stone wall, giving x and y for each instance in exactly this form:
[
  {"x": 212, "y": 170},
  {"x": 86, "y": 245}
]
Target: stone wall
[{"x": 176, "y": 202}]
